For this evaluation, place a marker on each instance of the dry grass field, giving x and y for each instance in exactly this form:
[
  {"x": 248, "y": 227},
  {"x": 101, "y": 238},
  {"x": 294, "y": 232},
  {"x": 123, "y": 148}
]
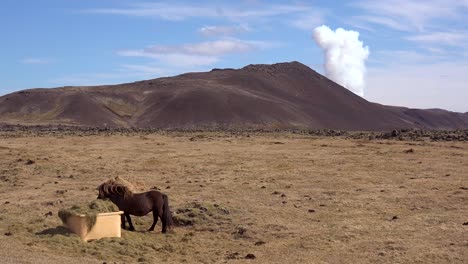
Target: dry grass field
[{"x": 266, "y": 198}]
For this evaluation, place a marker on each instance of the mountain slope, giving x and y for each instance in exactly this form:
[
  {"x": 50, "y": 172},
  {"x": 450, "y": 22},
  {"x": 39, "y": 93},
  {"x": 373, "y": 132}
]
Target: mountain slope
[{"x": 282, "y": 95}]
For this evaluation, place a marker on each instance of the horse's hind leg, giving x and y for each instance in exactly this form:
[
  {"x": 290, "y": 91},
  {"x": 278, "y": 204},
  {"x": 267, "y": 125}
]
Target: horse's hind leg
[
  {"x": 155, "y": 220},
  {"x": 131, "y": 228},
  {"x": 122, "y": 221},
  {"x": 164, "y": 223}
]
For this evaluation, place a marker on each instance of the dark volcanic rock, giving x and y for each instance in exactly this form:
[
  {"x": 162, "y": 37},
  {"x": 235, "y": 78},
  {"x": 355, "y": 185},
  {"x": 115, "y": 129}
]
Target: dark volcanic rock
[{"x": 250, "y": 256}]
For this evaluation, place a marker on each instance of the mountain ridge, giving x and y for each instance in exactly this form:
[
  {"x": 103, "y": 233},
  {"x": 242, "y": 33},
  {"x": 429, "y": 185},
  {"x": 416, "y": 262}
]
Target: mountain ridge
[{"x": 283, "y": 95}]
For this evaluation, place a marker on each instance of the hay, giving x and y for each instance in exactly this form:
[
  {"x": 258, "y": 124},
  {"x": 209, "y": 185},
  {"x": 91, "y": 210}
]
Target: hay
[
  {"x": 116, "y": 186},
  {"x": 122, "y": 181},
  {"x": 90, "y": 211}
]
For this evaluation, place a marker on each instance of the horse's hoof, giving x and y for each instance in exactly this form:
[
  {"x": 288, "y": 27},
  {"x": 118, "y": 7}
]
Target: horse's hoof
[{"x": 131, "y": 229}]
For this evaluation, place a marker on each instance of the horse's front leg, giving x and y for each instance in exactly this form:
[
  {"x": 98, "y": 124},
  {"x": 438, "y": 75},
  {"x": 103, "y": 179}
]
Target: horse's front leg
[
  {"x": 130, "y": 225},
  {"x": 122, "y": 221}
]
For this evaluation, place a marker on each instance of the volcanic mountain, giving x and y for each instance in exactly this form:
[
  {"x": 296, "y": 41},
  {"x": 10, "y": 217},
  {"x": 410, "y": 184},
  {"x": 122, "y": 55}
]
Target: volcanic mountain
[{"x": 283, "y": 95}]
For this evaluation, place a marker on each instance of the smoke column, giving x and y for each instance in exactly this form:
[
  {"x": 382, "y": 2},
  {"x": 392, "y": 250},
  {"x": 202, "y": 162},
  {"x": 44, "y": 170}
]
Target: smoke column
[{"x": 345, "y": 57}]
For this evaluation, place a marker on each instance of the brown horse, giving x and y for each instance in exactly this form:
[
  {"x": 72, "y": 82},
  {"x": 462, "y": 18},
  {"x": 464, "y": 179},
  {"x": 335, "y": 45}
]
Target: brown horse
[{"x": 138, "y": 204}]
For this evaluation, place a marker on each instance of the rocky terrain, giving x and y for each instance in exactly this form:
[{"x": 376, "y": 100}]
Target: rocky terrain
[{"x": 7, "y": 130}]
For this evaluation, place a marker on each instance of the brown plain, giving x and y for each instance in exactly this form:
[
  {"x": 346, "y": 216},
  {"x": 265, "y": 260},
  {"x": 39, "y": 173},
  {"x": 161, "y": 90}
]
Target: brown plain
[{"x": 288, "y": 198}]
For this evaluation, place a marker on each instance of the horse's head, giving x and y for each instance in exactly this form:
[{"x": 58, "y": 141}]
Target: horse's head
[{"x": 102, "y": 194}]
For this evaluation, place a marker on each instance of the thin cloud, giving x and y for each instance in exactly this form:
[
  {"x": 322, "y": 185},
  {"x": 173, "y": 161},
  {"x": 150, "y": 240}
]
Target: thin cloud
[
  {"x": 35, "y": 61},
  {"x": 179, "y": 12},
  {"x": 194, "y": 55},
  {"x": 125, "y": 73},
  {"x": 404, "y": 57},
  {"x": 309, "y": 21},
  {"x": 384, "y": 21},
  {"x": 87, "y": 79},
  {"x": 410, "y": 14},
  {"x": 159, "y": 10},
  {"x": 142, "y": 70},
  {"x": 217, "y": 31},
  {"x": 174, "y": 58},
  {"x": 209, "y": 48},
  {"x": 459, "y": 39}
]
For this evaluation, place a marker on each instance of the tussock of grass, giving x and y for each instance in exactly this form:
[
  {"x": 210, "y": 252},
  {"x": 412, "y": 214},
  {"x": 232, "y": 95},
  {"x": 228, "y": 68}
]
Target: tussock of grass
[
  {"x": 90, "y": 210},
  {"x": 199, "y": 213}
]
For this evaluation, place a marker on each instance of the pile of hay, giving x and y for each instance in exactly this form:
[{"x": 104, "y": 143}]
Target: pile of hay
[
  {"x": 121, "y": 181},
  {"x": 90, "y": 211}
]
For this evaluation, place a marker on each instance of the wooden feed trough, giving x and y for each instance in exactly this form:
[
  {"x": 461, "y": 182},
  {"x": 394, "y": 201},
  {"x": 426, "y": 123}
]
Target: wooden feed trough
[{"x": 107, "y": 225}]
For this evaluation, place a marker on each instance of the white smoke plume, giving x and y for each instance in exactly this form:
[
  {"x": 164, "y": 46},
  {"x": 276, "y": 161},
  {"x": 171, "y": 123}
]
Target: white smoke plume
[{"x": 345, "y": 57}]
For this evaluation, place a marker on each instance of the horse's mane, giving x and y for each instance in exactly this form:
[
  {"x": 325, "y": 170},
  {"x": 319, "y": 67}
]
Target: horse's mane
[{"x": 113, "y": 186}]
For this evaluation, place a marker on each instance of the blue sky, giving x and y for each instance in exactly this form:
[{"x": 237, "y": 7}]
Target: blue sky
[{"x": 418, "y": 49}]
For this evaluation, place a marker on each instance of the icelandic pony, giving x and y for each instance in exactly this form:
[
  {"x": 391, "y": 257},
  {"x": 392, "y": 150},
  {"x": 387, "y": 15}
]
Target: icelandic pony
[{"x": 137, "y": 204}]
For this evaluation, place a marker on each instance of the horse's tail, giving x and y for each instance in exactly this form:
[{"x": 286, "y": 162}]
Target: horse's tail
[{"x": 167, "y": 216}]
